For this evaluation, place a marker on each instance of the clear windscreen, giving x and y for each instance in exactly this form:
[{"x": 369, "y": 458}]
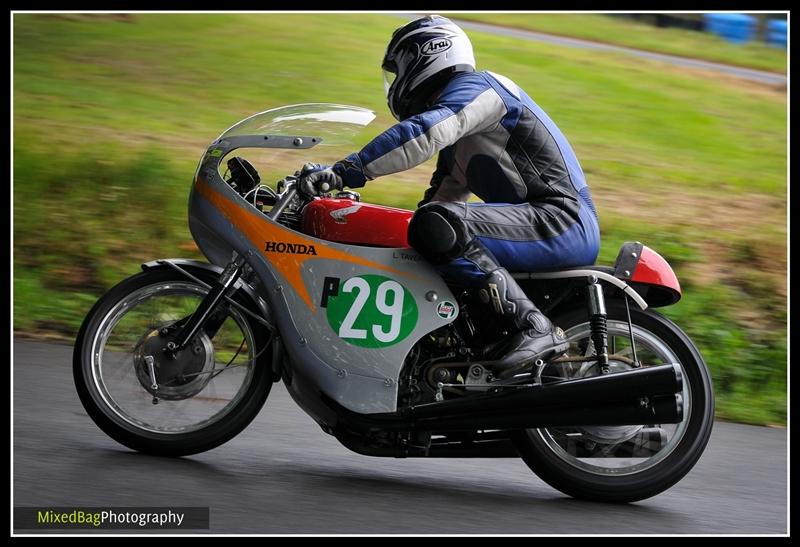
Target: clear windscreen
[
  {"x": 336, "y": 124},
  {"x": 339, "y": 129}
]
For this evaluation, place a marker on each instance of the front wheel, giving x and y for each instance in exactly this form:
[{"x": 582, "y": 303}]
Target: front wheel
[
  {"x": 202, "y": 396},
  {"x": 623, "y": 463}
]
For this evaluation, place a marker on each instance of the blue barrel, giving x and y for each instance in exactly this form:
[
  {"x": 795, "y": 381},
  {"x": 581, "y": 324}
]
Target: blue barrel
[
  {"x": 734, "y": 27},
  {"x": 776, "y": 32}
]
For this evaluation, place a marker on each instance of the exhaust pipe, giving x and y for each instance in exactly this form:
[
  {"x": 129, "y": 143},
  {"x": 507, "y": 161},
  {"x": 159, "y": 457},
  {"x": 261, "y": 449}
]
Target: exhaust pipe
[
  {"x": 666, "y": 409},
  {"x": 641, "y": 396}
]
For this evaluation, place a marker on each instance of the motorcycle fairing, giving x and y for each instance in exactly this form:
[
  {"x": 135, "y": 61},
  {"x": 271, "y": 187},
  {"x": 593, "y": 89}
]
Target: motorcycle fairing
[{"x": 296, "y": 271}]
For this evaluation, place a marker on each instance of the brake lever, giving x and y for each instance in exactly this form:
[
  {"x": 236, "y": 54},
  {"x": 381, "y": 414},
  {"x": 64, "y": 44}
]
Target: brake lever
[{"x": 281, "y": 185}]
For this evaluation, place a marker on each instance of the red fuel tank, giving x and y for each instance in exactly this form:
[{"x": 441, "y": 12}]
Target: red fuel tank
[{"x": 347, "y": 221}]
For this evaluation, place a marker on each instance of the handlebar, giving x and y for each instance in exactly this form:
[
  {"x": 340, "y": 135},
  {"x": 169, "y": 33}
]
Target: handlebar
[
  {"x": 285, "y": 198},
  {"x": 245, "y": 179}
]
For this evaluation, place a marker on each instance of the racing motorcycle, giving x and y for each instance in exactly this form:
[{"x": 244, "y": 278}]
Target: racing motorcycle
[{"x": 325, "y": 295}]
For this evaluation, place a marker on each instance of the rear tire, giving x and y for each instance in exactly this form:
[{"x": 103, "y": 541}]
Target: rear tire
[
  {"x": 582, "y": 477},
  {"x": 127, "y": 425}
]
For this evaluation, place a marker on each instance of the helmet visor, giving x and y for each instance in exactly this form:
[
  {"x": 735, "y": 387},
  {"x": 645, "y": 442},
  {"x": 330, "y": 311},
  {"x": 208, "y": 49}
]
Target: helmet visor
[{"x": 388, "y": 80}]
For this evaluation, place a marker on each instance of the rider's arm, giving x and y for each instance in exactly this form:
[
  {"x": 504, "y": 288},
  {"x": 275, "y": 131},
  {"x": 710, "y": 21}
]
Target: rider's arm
[
  {"x": 436, "y": 179},
  {"x": 466, "y": 106},
  {"x": 443, "y": 186}
]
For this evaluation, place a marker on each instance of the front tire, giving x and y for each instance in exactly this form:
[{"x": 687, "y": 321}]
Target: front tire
[
  {"x": 212, "y": 399},
  {"x": 583, "y": 466}
]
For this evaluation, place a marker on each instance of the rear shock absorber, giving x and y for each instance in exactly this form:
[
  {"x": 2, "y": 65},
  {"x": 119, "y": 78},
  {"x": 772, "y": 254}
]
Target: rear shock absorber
[{"x": 598, "y": 322}]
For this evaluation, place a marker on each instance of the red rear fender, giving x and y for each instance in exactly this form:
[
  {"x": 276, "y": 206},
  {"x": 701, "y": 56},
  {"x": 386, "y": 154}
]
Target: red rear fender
[{"x": 649, "y": 273}]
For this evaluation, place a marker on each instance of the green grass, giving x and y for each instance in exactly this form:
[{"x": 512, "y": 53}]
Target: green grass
[
  {"x": 111, "y": 116},
  {"x": 640, "y": 35}
]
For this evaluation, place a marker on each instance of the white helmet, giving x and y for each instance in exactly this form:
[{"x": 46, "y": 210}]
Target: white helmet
[{"x": 420, "y": 58}]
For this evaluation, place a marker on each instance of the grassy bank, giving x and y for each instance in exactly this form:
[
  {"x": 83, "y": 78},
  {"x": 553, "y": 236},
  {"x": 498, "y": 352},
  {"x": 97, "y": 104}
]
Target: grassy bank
[
  {"x": 639, "y": 35},
  {"x": 111, "y": 115}
]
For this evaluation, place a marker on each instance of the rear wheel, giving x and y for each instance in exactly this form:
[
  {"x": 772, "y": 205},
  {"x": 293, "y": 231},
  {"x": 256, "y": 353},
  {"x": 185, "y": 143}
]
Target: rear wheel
[
  {"x": 205, "y": 395},
  {"x": 623, "y": 463}
]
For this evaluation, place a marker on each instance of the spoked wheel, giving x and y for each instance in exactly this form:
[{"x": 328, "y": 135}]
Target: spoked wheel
[
  {"x": 155, "y": 402},
  {"x": 623, "y": 463}
]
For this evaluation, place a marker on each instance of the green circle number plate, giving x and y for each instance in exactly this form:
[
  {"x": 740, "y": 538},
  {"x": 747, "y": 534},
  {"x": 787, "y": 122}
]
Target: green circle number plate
[{"x": 372, "y": 311}]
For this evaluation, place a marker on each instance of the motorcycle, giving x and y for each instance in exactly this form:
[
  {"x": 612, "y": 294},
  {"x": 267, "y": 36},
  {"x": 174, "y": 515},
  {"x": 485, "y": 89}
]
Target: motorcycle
[{"x": 325, "y": 295}]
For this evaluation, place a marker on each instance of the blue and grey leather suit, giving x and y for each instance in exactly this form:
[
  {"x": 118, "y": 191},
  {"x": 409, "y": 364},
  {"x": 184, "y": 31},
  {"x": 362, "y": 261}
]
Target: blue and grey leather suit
[{"x": 495, "y": 142}]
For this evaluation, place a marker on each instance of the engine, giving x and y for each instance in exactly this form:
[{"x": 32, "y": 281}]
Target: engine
[{"x": 446, "y": 363}]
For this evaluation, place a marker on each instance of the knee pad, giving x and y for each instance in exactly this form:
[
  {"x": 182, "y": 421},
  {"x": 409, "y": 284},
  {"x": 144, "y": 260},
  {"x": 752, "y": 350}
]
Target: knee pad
[{"x": 437, "y": 233}]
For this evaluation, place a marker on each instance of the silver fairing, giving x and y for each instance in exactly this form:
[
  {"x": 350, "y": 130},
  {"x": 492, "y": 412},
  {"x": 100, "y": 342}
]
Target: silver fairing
[{"x": 295, "y": 282}]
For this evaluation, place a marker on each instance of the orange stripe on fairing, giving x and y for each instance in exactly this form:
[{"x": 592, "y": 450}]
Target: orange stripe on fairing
[{"x": 259, "y": 231}]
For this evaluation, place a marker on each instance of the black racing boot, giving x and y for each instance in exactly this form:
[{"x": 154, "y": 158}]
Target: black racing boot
[{"x": 532, "y": 336}]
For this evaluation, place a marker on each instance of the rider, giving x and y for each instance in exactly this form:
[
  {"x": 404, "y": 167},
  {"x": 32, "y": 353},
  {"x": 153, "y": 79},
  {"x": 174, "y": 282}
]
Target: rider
[{"x": 495, "y": 142}]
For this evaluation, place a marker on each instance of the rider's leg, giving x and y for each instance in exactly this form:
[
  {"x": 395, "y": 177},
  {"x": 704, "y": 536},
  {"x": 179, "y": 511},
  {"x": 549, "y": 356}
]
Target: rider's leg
[
  {"x": 531, "y": 334},
  {"x": 442, "y": 233}
]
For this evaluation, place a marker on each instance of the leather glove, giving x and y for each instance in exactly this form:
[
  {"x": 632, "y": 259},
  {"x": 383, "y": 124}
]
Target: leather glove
[{"x": 315, "y": 179}]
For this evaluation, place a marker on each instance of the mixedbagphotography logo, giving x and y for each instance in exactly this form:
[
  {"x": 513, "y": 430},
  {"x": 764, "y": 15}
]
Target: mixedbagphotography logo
[{"x": 118, "y": 518}]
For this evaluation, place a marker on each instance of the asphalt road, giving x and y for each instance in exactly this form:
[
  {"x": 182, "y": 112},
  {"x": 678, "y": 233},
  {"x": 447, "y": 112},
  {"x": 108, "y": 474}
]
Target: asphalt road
[
  {"x": 284, "y": 475},
  {"x": 760, "y": 76}
]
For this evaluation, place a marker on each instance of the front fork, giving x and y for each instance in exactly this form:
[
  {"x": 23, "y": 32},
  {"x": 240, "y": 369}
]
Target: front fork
[
  {"x": 203, "y": 315},
  {"x": 209, "y": 316}
]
